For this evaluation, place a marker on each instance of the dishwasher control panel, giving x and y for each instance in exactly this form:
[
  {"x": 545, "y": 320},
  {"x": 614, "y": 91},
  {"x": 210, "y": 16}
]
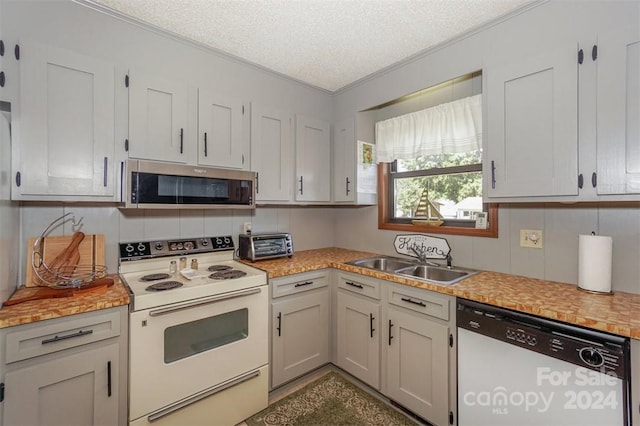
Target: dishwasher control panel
[{"x": 583, "y": 347}]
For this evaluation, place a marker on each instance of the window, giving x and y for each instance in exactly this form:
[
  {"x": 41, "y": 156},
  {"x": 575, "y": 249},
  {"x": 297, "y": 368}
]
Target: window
[
  {"x": 450, "y": 192},
  {"x": 430, "y": 163}
]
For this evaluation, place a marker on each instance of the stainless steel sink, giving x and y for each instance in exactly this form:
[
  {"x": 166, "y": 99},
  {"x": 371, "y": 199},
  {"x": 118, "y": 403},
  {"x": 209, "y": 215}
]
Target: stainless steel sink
[
  {"x": 437, "y": 274},
  {"x": 382, "y": 263},
  {"x": 408, "y": 268}
]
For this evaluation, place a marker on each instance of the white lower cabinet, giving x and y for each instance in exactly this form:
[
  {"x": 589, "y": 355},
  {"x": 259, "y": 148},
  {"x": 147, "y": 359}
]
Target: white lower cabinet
[
  {"x": 67, "y": 371},
  {"x": 420, "y": 373},
  {"x": 299, "y": 325},
  {"x": 358, "y": 328},
  {"x": 398, "y": 340}
]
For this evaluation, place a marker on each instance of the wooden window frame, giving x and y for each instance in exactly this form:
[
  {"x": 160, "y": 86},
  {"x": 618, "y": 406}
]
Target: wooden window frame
[{"x": 384, "y": 216}]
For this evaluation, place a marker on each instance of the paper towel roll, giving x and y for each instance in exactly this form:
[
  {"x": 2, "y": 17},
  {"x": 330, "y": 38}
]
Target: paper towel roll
[{"x": 594, "y": 263}]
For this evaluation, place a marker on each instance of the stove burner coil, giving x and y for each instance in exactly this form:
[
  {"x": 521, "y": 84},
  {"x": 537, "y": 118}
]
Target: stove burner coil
[
  {"x": 165, "y": 285},
  {"x": 215, "y": 268},
  {"x": 154, "y": 277},
  {"x": 227, "y": 275}
]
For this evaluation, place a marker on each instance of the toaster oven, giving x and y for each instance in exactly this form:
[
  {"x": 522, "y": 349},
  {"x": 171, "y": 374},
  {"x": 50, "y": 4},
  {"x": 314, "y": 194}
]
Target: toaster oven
[{"x": 264, "y": 246}]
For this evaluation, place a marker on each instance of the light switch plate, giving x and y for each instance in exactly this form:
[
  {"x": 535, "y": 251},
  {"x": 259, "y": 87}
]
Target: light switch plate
[{"x": 531, "y": 238}]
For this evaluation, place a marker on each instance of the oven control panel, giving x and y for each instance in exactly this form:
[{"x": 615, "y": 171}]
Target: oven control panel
[{"x": 151, "y": 249}]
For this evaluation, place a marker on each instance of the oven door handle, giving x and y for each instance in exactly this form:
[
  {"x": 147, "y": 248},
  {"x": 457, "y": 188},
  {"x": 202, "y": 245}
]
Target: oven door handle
[
  {"x": 200, "y": 302},
  {"x": 182, "y": 404}
]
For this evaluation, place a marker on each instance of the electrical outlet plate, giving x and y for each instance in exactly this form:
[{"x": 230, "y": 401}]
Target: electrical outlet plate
[{"x": 531, "y": 238}]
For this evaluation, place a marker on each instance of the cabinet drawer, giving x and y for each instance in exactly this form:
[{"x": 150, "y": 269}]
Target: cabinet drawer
[
  {"x": 360, "y": 285},
  {"x": 423, "y": 301},
  {"x": 63, "y": 333},
  {"x": 298, "y": 283}
]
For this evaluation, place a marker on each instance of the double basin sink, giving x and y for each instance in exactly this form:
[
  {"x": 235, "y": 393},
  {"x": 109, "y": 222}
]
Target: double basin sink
[{"x": 411, "y": 269}]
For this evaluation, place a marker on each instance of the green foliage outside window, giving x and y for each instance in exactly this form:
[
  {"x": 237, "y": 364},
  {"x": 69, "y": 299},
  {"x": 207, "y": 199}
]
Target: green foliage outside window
[{"x": 452, "y": 187}]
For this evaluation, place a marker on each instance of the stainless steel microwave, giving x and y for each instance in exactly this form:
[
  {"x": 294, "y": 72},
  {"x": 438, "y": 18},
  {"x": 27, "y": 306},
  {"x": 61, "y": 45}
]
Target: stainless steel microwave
[
  {"x": 264, "y": 246},
  {"x": 151, "y": 184}
]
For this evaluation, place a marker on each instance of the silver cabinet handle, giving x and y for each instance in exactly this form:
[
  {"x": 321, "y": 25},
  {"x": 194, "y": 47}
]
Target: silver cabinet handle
[{"x": 106, "y": 171}]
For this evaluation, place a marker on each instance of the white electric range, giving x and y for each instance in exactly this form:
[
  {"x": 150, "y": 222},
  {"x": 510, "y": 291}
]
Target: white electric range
[{"x": 197, "y": 336}]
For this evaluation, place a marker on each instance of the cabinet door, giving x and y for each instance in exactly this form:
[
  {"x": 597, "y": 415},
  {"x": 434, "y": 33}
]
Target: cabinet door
[
  {"x": 300, "y": 333},
  {"x": 358, "y": 340},
  {"x": 157, "y": 118},
  {"x": 313, "y": 159},
  {"x": 418, "y": 365},
  {"x": 220, "y": 130},
  {"x": 344, "y": 161},
  {"x": 65, "y": 124},
  {"x": 80, "y": 389},
  {"x": 618, "y": 112},
  {"x": 271, "y": 153},
  {"x": 532, "y": 137}
]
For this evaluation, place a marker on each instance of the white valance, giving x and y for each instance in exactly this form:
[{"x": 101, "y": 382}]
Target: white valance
[{"x": 446, "y": 128}]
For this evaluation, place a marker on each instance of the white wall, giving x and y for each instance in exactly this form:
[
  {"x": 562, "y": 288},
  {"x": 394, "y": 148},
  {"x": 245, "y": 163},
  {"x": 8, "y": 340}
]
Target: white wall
[{"x": 541, "y": 27}]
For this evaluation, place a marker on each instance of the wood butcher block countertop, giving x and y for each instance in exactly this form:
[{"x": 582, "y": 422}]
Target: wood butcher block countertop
[
  {"x": 38, "y": 310},
  {"x": 618, "y": 313}
]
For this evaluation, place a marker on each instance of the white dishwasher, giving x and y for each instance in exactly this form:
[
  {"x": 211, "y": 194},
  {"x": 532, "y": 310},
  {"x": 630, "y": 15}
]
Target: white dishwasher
[{"x": 518, "y": 369}]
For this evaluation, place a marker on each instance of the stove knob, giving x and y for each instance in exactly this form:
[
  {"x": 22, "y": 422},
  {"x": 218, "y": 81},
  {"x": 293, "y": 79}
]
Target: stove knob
[
  {"x": 205, "y": 242},
  {"x": 173, "y": 247},
  {"x": 159, "y": 246},
  {"x": 218, "y": 241},
  {"x": 141, "y": 247},
  {"x": 591, "y": 357},
  {"x": 128, "y": 248},
  {"x": 188, "y": 245},
  {"x": 227, "y": 240}
]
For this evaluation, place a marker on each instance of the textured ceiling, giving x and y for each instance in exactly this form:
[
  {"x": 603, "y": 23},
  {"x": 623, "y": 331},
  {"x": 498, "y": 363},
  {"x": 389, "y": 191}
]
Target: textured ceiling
[{"x": 325, "y": 43}]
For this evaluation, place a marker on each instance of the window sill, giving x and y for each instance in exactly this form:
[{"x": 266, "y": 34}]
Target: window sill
[{"x": 451, "y": 230}]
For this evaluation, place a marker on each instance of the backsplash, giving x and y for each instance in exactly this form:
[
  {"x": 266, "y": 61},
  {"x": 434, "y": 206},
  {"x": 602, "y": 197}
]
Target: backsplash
[
  {"x": 310, "y": 227},
  {"x": 558, "y": 259},
  {"x": 356, "y": 228}
]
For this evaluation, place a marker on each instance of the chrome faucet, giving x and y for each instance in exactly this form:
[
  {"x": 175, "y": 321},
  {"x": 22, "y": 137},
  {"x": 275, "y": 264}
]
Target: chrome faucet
[
  {"x": 449, "y": 261},
  {"x": 422, "y": 255}
]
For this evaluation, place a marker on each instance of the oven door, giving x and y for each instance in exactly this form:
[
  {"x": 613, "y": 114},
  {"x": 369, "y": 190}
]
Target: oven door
[{"x": 179, "y": 350}]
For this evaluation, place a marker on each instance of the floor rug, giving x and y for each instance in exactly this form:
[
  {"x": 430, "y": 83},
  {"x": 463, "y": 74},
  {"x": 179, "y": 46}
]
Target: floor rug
[{"x": 329, "y": 400}]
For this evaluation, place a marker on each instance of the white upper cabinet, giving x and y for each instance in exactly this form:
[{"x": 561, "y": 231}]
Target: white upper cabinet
[
  {"x": 344, "y": 161},
  {"x": 220, "y": 141},
  {"x": 532, "y": 133},
  {"x": 64, "y": 128},
  {"x": 313, "y": 160},
  {"x": 271, "y": 153},
  {"x": 618, "y": 112},
  {"x": 158, "y": 111},
  {"x": 565, "y": 126}
]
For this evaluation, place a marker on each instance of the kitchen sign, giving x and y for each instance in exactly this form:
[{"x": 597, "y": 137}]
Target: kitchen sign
[{"x": 431, "y": 247}]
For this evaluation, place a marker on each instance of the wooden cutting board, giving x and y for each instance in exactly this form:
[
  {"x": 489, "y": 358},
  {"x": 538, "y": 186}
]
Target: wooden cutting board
[{"x": 91, "y": 253}]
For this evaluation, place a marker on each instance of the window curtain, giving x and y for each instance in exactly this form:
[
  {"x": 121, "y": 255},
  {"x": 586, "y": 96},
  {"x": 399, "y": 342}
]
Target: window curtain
[{"x": 446, "y": 128}]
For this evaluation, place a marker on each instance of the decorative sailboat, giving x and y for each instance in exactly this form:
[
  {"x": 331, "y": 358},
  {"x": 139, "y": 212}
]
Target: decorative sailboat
[{"x": 427, "y": 213}]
